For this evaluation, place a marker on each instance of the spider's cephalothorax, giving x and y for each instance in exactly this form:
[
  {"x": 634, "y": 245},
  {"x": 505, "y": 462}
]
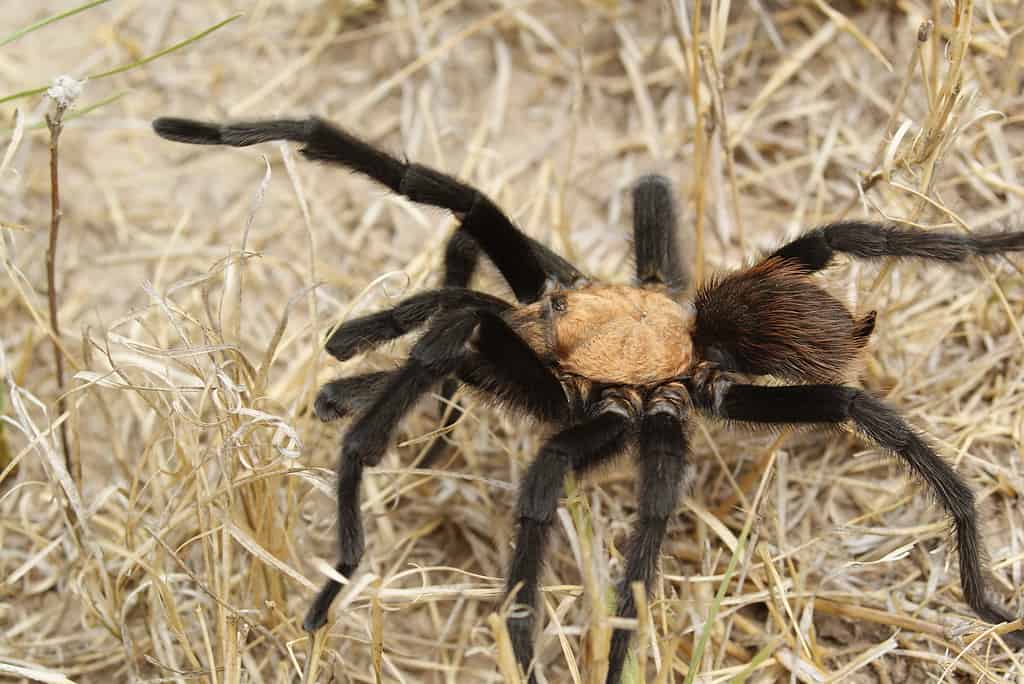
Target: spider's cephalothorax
[
  {"x": 609, "y": 334},
  {"x": 614, "y": 368}
]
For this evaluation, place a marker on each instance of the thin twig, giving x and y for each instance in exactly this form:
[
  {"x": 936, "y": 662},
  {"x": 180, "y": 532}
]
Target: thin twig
[{"x": 56, "y": 124}]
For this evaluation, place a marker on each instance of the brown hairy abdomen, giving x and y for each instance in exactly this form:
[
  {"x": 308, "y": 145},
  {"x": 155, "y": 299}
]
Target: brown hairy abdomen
[{"x": 774, "y": 320}]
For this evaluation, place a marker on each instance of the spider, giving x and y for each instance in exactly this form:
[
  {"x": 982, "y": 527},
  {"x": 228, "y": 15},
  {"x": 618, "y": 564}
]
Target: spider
[{"x": 614, "y": 368}]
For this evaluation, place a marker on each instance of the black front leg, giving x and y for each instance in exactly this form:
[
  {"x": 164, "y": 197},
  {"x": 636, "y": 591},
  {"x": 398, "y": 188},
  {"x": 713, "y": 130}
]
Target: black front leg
[
  {"x": 521, "y": 261},
  {"x": 367, "y": 332}
]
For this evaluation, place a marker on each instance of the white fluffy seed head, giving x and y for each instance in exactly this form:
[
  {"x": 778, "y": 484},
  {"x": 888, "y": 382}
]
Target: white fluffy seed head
[{"x": 65, "y": 90}]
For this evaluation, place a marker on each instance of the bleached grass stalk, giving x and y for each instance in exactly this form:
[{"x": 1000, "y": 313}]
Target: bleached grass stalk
[
  {"x": 737, "y": 554},
  {"x": 55, "y": 123}
]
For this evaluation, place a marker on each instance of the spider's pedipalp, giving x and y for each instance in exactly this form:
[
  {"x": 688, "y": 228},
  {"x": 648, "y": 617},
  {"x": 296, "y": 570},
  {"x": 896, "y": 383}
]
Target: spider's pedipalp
[{"x": 367, "y": 332}]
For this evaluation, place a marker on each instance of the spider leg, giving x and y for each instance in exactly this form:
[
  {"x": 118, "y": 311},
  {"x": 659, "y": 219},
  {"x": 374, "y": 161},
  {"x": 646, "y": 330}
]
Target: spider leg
[
  {"x": 461, "y": 256},
  {"x": 366, "y": 332},
  {"x": 883, "y": 425},
  {"x": 815, "y": 249},
  {"x": 577, "y": 448},
  {"x": 435, "y": 355},
  {"x": 384, "y": 398},
  {"x": 654, "y": 235},
  {"x": 351, "y": 541},
  {"x": 500, "y": 365},
  {"x": 520, "y": 260},
  {"x": 661, "y": 460}
]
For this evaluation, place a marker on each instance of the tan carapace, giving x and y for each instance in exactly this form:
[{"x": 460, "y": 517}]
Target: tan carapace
[{"x": 610, "y": 333}]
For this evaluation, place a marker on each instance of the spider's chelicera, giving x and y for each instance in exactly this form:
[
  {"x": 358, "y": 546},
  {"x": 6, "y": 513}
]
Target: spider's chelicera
[{"x": 614, "y": 368}]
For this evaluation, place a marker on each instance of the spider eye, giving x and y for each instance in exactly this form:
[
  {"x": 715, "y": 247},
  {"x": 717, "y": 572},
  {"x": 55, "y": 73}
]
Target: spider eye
[{"x": 559, "y": 303}]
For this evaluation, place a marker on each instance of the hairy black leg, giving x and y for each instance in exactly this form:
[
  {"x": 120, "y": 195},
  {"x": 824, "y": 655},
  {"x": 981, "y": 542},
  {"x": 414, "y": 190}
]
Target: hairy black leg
[
  {"x": 434, "y": 356},
  {"x": 884, "y": 426},
  {"x": 460, "y": 262},
  {"x": 505, "y": 367},
  {"x": 515, "y": 255},
  {"x": 654, "y": 234},
  {"x": 661, "y": 460},
  {"x": 366, "y": 332},
  {"x": 496, "y": 363},
  {"x": 461, "y": 256},
  {"x": 345, "y": 396},
  {"x": 351, "y": 542},
  {"x": 815, "y": 250},
  {"x": 576, "y": 448},
  {"x": 501, "y": 365}
]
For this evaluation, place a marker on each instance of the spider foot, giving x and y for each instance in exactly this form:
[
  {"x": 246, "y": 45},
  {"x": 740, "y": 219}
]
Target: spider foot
[
  {"x": 327, "y": 405},
  {"x": 316, "y": 616}
]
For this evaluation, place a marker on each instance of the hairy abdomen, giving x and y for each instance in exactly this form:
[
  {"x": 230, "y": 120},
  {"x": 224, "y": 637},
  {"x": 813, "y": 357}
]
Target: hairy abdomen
[{"x": 774, "y": 320}]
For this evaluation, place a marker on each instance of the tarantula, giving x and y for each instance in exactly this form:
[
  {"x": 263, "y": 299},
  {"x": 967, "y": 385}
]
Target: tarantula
[{"x": 613, "y": 368}]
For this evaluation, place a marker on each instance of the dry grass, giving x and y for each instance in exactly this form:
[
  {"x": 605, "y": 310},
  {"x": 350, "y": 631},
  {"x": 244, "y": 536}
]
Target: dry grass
[{"x": 192, "y": 336}]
